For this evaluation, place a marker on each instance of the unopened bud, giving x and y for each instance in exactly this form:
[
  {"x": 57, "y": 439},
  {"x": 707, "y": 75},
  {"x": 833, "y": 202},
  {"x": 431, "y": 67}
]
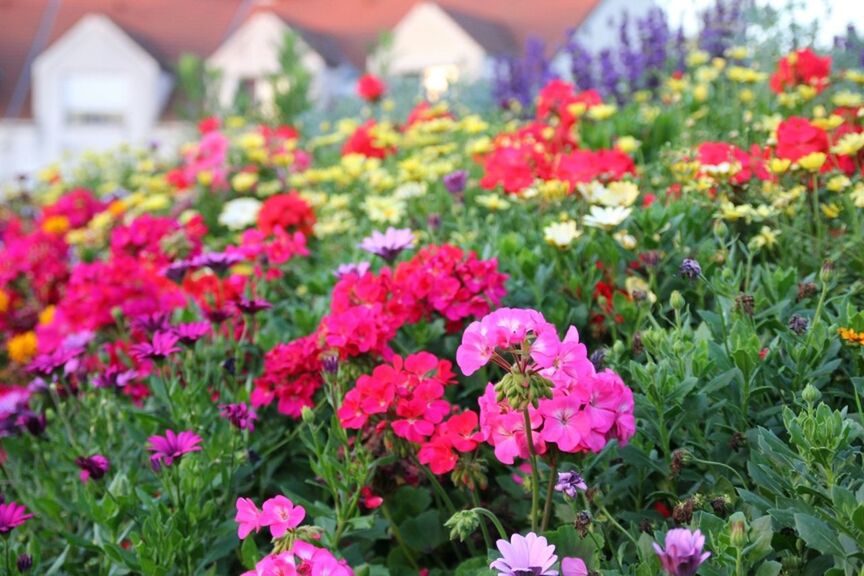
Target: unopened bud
[
  {"x": 811, "y": 394},
  {"x": 676, "y": 300},
  {"x": 462, "y": 524}
]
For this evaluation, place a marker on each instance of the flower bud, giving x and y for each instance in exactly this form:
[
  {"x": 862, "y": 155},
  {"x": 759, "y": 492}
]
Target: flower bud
[
  {"x": 462, "y": 524},
  {"x": 738, "y": 530},
  {"x": 826, "y": 270},
  {"x": 24, "y": 563},
  {"x": 676, "y": 300},
  {"x": 307, "y": 415},
  {"x": 811, "y": 394}
]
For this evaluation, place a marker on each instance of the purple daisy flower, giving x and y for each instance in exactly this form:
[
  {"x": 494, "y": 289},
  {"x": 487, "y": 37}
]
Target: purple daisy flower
[
  {"x": 95, "y": 466},
  {"x": 683, "y": 554},
  {"x": 176, "y": 271},
  {"x": 47, "y": 364},
  {"x": 525, "y": 555},
  {"x": 389, "y": 244},
  {"x": 166, "y": 449},
  {"x": 569, "y": 483},
  {"x": 360, "y": 269},
  {"x": 253, "y": 305},
  {"x": 455, "y": 182},
  {"x": 114, "y": 377},
  {"x": 190, "y": 332},
  {"x": 218, "y": 262},
  {"x": 163, "y": 345},
  {"x": 151, "y": 323},
  {"x": 12, "y": 515},
  {"x": 240, "y": 415}
]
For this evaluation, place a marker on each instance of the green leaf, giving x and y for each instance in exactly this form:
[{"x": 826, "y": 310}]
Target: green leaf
[
  {"x": 249, "y": 553},
  {"x": 818, "y": 535},
  {"x": 473, "y": 567},
  {"x": 424, "y": 532},
  {"x": 58, "y": 563},
  {"x": 769, "y": 568}
]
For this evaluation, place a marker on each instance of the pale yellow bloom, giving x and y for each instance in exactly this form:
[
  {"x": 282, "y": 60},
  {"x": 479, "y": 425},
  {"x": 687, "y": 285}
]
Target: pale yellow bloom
[
  {"x": 384, "y": 209},
  {"x": 849, "y": 144},
  {"x": 606, "y": 218},
  {"x": 493, "y": 201},
  {"x": 561, "y": 234},
  {"x": 627, "y": 144},
  {"x": 812, "y": 162},
  {"x": 638, "y": 288},
  {"x": 837, "y": 183},
  {"x": 848, "y": 99},
  {"x": 625, "y": 240},
  {"x": 602, "y": 111}
]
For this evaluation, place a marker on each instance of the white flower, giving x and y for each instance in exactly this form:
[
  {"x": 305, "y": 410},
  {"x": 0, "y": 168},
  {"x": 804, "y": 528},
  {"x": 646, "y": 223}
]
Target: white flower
[
  {"x": 627, "y": 241},
  {"x": 239, "y": 213},
  {"x": 613, "y": 194},
  {"x": 561, "y": 234},
  {"x": 606, "y": 218}
]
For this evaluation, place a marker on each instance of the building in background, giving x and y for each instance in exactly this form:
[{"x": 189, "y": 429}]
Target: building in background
[
  {"x": 440, "y": 46},
  {"x": 90, "y": 74}
]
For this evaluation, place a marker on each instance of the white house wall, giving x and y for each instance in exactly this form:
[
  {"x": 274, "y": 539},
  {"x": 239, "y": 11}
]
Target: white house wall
[
  {"x": 253, "y": 52},
  {"x": 428, "y": 36},
  {"x": 93, "y": 47}
]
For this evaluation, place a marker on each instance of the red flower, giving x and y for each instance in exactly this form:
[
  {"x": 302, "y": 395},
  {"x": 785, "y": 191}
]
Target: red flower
[
  {"x": 801, "y": 67},
  {"x": 797, "y": 137},
  {"x": 209, "y": 124},
  {"x": 371, "y": 88},
  {"x": 362, "y": 141},
  {"x": 287, "y": 211}
]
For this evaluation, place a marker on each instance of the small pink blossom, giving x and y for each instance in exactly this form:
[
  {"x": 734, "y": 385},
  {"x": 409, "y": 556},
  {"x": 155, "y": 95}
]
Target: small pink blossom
[{"x": 281, "y": 515}]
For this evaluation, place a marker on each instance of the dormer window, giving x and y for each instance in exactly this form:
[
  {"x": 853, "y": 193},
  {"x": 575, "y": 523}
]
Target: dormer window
[{"x": 95, "y": 99}]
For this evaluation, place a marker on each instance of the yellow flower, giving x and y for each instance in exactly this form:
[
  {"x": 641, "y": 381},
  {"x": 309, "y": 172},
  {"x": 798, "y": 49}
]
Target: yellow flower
[
  {"x": 700, "y": 92},
  {"x": 251, "y": 140},
  {"x": 625, "y": 240},
  {"x": 493, "y": 202},
  {"x": 831, "y": 210},
  {"x": 851, "y": 336},
  {"x": 22, "y": 347},
  {"x": 848, "y": 99},
  {"x": 828, "y": 123},
  {"x": 4, "y": 301},
  {"x": 46, "y": 316},
  {"x": 627, "y": 144},
  {"x": 849, "y": 144},
  {"x": 553, "y": 189},
  {"x": 838, "y": 183},
  {"x": 855, "y": 76},
  {"x": 577, "y": 109},
  {"x": 697, "y": 58},
  {"x": 55, "y": 225},
  {"x": 244, "y": 181},
  {"x": 766, "y": 238},
  {"x": 602, "y": 111},
  {"x": 807, "y": 92},
  {"x": 779, "y": 165},
  {"x": 812, "y": 162},
  {"x": 638, "y": 289},
  {"x": 857, "y": 195},
  {"x": 737, "y": 53},
  {"x": 746, "y": 96},
  {"x": 561, "y": 234},
  {"x": 235, "y": 122},
  {"x": 205, "y": 178},
  {"x": 155, "y": 203},
  {"x": 384, "y": 209}
]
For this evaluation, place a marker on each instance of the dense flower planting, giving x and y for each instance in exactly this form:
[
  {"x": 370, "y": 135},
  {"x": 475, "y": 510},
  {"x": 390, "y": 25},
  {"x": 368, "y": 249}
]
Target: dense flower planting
[{"x": 615, "y": 329}]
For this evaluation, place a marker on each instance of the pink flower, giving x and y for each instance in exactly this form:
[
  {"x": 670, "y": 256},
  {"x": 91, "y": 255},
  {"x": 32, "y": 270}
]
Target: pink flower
[
  {"x": 566, "y": 423},
  {"x": 573, "y": 567},
  {"x": 281, "y": 515},
  {"x": 683, "y": 554},
  {"x": 281, "y": 564},
  {"x": 248, "y": 517},
  {"x": 166, "y": 449},
  {"x": 529, "y": 554}
]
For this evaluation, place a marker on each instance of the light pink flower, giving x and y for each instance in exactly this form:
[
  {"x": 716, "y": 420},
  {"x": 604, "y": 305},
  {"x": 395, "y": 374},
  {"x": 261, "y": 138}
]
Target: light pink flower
[
  {"x": 565, "y": 423},
  {"x": 476, "y": 349}
]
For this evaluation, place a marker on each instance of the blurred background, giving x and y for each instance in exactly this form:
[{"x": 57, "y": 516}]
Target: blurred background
[{"x": 79, "y": 75}]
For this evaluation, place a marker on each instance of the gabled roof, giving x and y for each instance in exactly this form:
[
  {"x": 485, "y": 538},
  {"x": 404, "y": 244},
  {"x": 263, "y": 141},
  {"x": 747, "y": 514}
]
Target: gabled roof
[{"x": 493, "y": 36}]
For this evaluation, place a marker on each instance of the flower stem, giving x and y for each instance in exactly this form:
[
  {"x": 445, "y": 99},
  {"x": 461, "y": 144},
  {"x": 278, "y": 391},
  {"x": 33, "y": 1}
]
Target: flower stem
[
  {"x": 547, "y": 506},
  {"x": 476, "y": 501},
  {"x": 397, "y": 535},
  {"x": 535, "y": 474},
  {"x": 497, "y": 523}
]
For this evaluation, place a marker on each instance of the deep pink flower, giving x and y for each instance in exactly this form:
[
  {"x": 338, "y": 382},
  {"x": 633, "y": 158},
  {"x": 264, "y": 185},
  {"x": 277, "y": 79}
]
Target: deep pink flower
[
  {"x": 166, "y": 449},
  {"x": 683, "y": 554},
  {"x": 12, "y": 515},
  {"x": 281, "y": 515},
  {"x": 529, "y": 554},
  {"x": 573, "y": 567},
  {"x": 95, "y": 466},
  {"x": 248, "y": 517},
  {"x": 240, "y": 415},
  {"x": 191, "y": 332}
]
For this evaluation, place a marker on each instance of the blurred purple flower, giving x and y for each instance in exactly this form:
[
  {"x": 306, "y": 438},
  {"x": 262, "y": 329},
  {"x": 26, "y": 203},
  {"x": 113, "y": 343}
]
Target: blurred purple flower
[
  {"x": 166, "y": 449},
  {"x": 569, "y": 483},
  {"x": 95, "y": 466},
  {"x": 683, "y": 554},
  {"x": 389, "y": 244},
  {"x": 455, "y": 182},
  {"x": 529, "y": 554},
  {"x": 160, "y": 347},
  {"x": 240, "y": 415},
  {"x": 253, "y": 306},
  {"x": 360, "y": 268},
  {"x": 190, "y": 332}
]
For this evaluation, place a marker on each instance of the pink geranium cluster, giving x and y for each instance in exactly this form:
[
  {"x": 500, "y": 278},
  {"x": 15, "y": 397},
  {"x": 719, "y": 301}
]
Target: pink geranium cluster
[
  {"x": 274, "y": 249},
  {"x": 367, "y": 310},
  {"x": 282, "y": 517},
  {"x": 582, "y": 410},
  {"x": 209, "y": 156},
  {"x": 78, "y": 206},
  {"x": 407, "y": 398},
  {"x": 156, "y": 240}
]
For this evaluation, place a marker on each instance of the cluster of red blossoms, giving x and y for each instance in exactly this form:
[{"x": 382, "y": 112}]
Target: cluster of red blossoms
[
  {"x": 368, "y": 310},
  {"x": 407, "y": 398},
  {"x": 548, "y": 148},
  {"x": 801, "y": 68}
]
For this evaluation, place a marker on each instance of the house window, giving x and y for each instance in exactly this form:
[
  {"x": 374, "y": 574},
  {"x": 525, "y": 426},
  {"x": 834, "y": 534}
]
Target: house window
[{"x": 95, "y": 99}]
